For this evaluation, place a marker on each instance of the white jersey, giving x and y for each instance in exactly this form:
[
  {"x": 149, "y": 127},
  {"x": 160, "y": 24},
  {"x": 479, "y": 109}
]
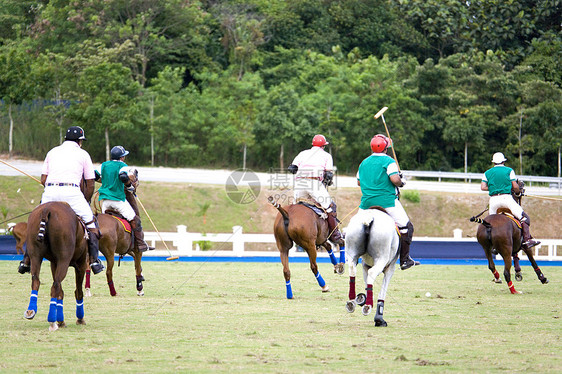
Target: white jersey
[{"x": 312, "y": 163}]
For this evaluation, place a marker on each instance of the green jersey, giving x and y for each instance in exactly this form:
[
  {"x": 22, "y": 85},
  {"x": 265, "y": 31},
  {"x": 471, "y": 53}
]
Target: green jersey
[
  {"x": 374, "y": 177},
  {"x": 111, "y": 186},
  {"x": 499, "y": 179}
]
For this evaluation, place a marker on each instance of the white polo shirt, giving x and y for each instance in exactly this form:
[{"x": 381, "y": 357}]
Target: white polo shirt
[
  {"x": 67, "y": 163},
  {"x": 312, "y": 163}
]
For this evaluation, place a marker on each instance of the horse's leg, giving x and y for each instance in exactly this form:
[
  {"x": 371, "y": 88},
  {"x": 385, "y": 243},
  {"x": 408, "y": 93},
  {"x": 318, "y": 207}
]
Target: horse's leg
[
  {"x": 138, "y": 270},
  {"x": 350, "y": 305},
  {"x": 540, "y": 275},
  {"x": 388, "y": 273},
  {"x": 517, "y": 268},
  {"x": 507, "y": 269},
  {"x": 88, "y": 293},
  {"x": 491, "y": 265},
  {"x": 371, "y": 275},
  {"x": 80, "y": 272},
  {"x": 284, "y": 255},
  {"x": 310, "y": 248},
  {"x": 56, "y": 312},
  {"x": 110, "y": 259},
  {"x": 35, "y": 283}
]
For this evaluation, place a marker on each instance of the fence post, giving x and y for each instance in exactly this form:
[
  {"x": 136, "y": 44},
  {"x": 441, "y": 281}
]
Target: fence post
[
  {"x": 184, "y": 242},
  {"x": 237, "y": 241}
]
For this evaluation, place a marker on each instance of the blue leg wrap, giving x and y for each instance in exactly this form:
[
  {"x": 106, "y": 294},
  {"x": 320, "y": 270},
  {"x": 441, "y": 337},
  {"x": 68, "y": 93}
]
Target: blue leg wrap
[
  {"x": 80, "y": 309},
  {"x": 33, "y": 301},
  {"x": 342, "y": 254},
  {"x": 332, "y": 257},
  {"x": 320, "y": 280},
  {"x": 60, "y": 316},
  {"x": 289, "y": 290},
  {"x": 52, "y": 317}
]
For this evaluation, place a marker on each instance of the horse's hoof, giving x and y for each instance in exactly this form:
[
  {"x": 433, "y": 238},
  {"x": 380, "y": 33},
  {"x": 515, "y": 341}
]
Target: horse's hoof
[
  {"x": 339, "y": 269},
  {"x": 366, "y": 310},
  {"x": 53, "y": 326},
  {"x": 518, "y": 277},
  {"x": 544, "y": 281},
  {"x": 497, "y": 280},
  {"x": 61, "y": 324},
  {"x": 29, "y": 314},
  {"x": 326, "y": 288},
  {"x": 380, "y": 322},
  {"x": 87, "y": 292},
  {"x": 361, "y": 299},
  {"x": 140, "y": 293},
  {"x": 350, "y": 306},
  {"x": 80, "y": 321}
]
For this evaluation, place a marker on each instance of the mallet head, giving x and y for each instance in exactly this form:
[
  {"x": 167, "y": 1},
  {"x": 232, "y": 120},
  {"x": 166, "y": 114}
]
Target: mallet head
[{"x": 380, "y": 112}]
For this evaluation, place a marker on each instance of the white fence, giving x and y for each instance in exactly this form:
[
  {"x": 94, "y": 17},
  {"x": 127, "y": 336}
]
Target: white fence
[{"x": 185, "y": 244}]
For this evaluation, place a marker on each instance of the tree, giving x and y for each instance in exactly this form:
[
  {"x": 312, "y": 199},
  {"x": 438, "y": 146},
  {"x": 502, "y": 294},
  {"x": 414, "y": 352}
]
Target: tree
[{"x": 16, "y": 80}]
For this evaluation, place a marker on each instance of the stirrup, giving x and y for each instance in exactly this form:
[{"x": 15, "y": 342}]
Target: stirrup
[
  {"x": 530, "y": 243},
  {"x": 408, "y": 264}
]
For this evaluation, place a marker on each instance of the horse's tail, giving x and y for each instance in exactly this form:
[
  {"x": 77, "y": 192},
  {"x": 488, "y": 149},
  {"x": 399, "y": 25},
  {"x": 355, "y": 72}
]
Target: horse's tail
[
  {"x": 280, "y": 209},
  {"x": 45, "y": 214},
  {"x": 486, "y": 224}
]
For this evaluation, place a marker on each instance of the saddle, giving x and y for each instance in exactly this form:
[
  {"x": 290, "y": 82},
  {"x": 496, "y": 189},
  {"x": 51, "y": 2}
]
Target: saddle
[
  {"x": 512, "y": 217},
  {"x": 126, "y": 225},
  {"x": 316, "y": 208}
]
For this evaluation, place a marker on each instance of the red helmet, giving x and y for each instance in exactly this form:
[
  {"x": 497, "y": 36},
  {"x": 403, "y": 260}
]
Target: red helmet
[
  {"x": 379, "y": 143},
  {"x": 319, "y": 141}
]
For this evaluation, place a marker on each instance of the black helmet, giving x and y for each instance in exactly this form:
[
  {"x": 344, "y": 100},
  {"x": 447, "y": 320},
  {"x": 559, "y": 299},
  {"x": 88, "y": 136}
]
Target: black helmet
[
  {"x": 75, "y": 133},
  {"x": 117, "y": 152}
]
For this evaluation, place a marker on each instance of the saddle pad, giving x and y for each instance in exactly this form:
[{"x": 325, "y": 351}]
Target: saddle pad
[
  {"x": 315, "y": 209},
  {"x": 517, "y": 222},
  {"x": 125, "y": 223}
]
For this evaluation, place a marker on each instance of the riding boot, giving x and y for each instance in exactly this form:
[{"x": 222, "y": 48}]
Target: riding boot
[
  {"x": 140, "y": 244},
  {"x": 528, "y": 241},
  {"x": 24, "y": 266},
  {"x": 406, "y": 261},
  {"x": 93, "y": 249},
  {"x": 335, "y": 235}
]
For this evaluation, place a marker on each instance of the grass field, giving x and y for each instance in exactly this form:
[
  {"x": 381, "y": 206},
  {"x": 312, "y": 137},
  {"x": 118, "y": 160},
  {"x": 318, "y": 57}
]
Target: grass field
[{"x": 233, "y": 317}]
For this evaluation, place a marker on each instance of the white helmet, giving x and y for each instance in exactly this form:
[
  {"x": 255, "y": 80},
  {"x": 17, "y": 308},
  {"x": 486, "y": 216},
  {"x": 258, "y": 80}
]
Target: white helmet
[{"x": 498, "y": 158}]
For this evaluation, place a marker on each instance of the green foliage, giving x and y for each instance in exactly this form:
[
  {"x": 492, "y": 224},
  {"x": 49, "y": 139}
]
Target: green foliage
[
  {"x": 411, "y": 195},
  {"x": 247, "y": 83}
]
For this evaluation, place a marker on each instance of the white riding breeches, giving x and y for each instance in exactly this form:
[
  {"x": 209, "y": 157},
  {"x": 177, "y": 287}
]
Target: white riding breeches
[
  {"x": 505, "y": 201},
  {"x": 74, "y": 197},
  {"x": 312, "y": 188},
  {"x": 123, "y": 207},
  {"x": 398, "y": 214}
]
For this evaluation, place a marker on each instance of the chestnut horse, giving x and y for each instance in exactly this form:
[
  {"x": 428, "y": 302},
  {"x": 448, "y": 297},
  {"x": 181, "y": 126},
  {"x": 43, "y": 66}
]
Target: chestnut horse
[
  {"x": 372, "y": 236},
  {"x": 19, "y": 231},
  {"x": 116, "y": 240},
  {"x": 301, "y": 225},
  {"x": 501, "y": 232},
  {"x": 56, "y": 234}
]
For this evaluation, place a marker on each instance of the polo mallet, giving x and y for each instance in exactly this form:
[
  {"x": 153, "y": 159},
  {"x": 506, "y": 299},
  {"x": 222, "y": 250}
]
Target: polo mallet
[
  {"x": 158, "y": 232},
  {"x": 380, "y": 113},
  {"x": 21, "y": 171}
]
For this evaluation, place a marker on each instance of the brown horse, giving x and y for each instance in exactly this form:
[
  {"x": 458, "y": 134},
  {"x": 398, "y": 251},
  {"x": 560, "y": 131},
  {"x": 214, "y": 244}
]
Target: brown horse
[
  {"x": 301, "y": 225},
  {"x": 116, "y": 240},
  {"x": 19, "y": 231},
  {"x": 56, "y": 234},
  {"x": 501, "y": 232}
]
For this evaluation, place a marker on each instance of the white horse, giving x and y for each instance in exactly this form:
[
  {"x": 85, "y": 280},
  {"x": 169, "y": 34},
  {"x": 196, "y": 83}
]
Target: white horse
[{"x": 372, "y": 236}]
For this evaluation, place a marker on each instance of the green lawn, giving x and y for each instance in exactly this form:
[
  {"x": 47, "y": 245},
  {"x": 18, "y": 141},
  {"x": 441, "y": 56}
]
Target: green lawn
[{"x": 233, "y": 317}]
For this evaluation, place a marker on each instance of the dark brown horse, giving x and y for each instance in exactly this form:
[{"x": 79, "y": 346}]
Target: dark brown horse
[
  {"x": 501, "y": 232},
  {"x": 301, "y": 225},
  {"x": 56, "y": 234}
]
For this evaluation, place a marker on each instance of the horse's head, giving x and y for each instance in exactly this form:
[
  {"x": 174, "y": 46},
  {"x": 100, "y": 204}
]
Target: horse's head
[
  {"x": 517, "y": 196},
  {"x": 133, "y": 175}
]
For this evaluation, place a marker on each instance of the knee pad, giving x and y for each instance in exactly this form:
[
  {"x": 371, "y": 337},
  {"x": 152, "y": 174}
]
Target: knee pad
[
  {"x": 525, "y": 218},
  {"x": 409, "y": 234}
]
